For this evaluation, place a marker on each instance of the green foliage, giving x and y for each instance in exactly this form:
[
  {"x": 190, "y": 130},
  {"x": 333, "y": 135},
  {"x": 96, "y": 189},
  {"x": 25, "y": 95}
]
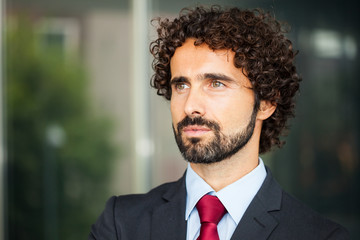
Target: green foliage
[{"x": 60, "y": 153}]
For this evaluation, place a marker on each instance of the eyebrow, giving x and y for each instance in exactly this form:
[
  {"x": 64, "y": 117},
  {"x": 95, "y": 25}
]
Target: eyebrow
[
  {"x": 216, "y": 76},
  {"x": 180, "y": 79},
  {"x": 211, "y": 76}
]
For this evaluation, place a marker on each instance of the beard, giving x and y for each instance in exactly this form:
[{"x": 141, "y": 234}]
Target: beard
[{"x": 218, "y": 148}]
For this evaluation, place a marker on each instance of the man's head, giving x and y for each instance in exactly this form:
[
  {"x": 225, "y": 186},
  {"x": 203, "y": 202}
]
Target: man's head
[{"x": 219, "y": 68}]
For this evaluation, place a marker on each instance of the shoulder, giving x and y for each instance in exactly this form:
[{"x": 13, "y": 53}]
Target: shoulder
[
  {"x": 295, "y": 220},
  {"x": 298, "y": 219},
  {"x": 136, "y": 202},
  {"x": 123, "y": 213}
]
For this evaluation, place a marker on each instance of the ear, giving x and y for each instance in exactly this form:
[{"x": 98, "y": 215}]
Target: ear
[{"x": 266, "y": 109}]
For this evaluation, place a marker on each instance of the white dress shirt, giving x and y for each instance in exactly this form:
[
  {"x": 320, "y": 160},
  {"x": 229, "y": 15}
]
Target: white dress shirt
[{"x": 236, "y": 198}]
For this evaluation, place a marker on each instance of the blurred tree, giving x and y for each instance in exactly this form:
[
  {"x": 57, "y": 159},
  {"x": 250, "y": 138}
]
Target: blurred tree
[{"x": 59, "y": 152}]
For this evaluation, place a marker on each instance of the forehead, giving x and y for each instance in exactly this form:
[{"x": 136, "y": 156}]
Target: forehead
[
  {"x": 189, "y": 47},
  {"x": 190, "y": 61},
  {"x": 188, "y": 51}
]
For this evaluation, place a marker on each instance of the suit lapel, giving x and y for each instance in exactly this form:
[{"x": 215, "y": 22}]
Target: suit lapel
[
  {"x": 168, "y": 220},
  {"x": 257, "y": 223}
]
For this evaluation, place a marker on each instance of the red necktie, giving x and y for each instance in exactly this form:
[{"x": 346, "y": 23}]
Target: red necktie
[{"x": 211, "y": 212}]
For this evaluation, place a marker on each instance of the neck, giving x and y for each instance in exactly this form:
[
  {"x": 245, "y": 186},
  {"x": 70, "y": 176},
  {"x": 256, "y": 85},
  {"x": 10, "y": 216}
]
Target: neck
[{"x": 221, "y": 174}]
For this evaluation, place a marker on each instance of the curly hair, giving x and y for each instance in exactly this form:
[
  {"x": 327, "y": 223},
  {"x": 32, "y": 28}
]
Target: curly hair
[{"x": 262, "y": 52}]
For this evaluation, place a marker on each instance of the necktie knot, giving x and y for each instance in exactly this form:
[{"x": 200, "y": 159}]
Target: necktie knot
[{"x": 210, "y": 211}]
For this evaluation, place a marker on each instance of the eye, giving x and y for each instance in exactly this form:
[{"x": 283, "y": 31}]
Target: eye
[
  {"x": 216, "y": 84},
  {"x": 181, "y": 86}
]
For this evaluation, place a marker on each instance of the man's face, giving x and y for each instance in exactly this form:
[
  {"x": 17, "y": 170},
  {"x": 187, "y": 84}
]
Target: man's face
[{"x": 212, "y": 104}]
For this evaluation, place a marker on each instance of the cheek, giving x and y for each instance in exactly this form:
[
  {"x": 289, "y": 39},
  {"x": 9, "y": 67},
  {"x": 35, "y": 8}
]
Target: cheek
[
  {"x": 175, "y": 109},
  {"x": 233, "y": 114}
]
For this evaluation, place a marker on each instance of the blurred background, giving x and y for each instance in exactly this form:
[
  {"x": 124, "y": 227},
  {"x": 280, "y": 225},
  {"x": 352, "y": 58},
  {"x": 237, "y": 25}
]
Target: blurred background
[{"x": 80, "y": 122}]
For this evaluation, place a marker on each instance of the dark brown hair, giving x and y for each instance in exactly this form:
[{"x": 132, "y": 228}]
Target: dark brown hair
[{"x": 262, "y": 51}]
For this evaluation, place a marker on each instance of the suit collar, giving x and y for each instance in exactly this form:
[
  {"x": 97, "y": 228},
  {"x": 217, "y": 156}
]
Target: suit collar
[
  {"x": 257, "y": 222},
  {"x": 270, "y": 193},
  {"x": 168, "y": 220}
]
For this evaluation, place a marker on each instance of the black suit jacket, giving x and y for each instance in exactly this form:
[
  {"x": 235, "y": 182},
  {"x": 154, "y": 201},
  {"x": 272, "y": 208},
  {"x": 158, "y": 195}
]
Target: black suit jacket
[{"x": 160, "y": 215}]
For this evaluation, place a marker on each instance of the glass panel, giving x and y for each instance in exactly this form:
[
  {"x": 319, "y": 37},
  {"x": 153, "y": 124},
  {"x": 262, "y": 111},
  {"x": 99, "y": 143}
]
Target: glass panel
[{"x": 66, "y": 115}]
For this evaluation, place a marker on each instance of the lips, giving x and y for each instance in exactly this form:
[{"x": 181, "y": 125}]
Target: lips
[{"x": 195, "y": 130}]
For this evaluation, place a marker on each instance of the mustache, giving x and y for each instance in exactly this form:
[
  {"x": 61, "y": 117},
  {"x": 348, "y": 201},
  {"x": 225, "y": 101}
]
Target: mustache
[{"x": 187, "y": 121}]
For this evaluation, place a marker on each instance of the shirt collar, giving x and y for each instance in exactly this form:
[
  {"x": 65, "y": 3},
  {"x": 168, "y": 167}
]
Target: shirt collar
[
  {"x": 196, "y": 187},
  {"x": 236, "y": 197}
]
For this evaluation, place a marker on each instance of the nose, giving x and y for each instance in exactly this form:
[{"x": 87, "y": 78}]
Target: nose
[{"x": 195, "y": 104}]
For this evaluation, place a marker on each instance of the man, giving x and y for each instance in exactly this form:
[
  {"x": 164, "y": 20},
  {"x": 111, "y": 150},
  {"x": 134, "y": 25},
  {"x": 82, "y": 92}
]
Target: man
[{"x": 231, "y": 82}]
